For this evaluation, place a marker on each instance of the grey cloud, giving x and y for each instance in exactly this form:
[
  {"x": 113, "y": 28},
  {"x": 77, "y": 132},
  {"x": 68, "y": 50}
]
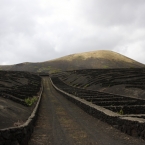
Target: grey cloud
[
  {"x": 39, "y": 31},
  {"x": 113, "y": 12},
  {"x": 137, "y": 54}
]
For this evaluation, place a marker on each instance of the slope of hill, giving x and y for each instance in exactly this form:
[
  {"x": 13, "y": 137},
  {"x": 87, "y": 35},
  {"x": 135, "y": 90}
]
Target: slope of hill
[
  {"x": 16, "y": 91},
  {"x": 125, "y": 81},
  {"x": 87, "y": 60}
]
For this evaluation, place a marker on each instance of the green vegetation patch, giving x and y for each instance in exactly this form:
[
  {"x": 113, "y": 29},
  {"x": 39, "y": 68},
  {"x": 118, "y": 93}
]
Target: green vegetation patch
[
  {"x": 121, "y": 112},
  {"x": 105, "y": 66},
  {"x": 31, "y": 101}
]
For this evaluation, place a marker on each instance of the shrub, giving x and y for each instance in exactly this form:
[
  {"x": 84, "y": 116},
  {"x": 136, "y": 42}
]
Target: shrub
[{"x": 30, "y": 101}]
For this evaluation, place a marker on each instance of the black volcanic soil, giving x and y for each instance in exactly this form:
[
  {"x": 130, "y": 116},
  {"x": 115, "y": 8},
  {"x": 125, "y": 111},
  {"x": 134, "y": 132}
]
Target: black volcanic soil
[
  {"x": 15, "y": 87},
  {"x": 12, "y": 113},
  {"x": 61, "y": 122},
  {"x": 128, "y": 82}
]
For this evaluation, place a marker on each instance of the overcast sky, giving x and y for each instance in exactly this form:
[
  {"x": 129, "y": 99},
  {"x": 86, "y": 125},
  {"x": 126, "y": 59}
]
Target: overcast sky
[{"x": 40, "y": 30}]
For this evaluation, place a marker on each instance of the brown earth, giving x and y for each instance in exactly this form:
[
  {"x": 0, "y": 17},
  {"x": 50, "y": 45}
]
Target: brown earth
[
  {"x": 60, "y": 122},
  {"x": 87, "y": 60}
]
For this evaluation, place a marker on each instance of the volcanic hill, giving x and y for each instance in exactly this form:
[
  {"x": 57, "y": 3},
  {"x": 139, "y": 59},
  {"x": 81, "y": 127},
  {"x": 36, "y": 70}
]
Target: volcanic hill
[{"x": 87, "y": 60}]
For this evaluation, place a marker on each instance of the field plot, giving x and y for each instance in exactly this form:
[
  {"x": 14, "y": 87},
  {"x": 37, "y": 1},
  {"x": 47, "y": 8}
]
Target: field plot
[
  {"x": 79, "y": 83},
  {"x": 128, "y": 82},
  {"x": 18, "y": 91}
]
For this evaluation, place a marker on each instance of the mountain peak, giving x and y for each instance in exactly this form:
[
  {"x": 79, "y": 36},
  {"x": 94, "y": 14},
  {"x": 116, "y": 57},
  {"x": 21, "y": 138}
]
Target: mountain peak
[
  {"x": 103, "y": 54},
  {"x": 100, "y": 59}
]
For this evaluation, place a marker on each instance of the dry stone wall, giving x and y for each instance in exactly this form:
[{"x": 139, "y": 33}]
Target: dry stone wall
[
  {"x": 21, "y": 134},
  {"x": 128, "y": 120}
]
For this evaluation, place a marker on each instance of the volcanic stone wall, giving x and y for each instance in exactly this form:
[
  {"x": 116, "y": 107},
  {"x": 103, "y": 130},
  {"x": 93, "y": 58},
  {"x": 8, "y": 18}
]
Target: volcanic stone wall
[
  {"x": 18, "y": 86},
  {"x": 18, "y": 92},
  {"x": 21, "y": 134},
  {"x": 124, "y": 113},
  {"x": 131, "y": 77}
]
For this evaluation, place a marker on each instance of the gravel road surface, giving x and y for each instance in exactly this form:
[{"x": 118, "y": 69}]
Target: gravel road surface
[{"x": 61, "y": 122}]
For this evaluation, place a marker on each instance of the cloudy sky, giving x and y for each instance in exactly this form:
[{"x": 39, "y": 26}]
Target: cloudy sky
[{"x": 40, "y": 30}]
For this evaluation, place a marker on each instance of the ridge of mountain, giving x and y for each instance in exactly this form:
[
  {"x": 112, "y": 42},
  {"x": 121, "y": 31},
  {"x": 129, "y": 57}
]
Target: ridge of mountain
[{"x": 87, "y": 60}]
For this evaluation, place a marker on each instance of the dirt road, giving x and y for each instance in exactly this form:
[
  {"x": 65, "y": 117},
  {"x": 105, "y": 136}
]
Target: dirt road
[{"x": 60, "y": 122}]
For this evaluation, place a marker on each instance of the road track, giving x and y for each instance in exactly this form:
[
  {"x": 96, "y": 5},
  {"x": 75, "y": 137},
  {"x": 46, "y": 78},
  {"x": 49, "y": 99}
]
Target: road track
[{"x": 61, "y": 122}]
